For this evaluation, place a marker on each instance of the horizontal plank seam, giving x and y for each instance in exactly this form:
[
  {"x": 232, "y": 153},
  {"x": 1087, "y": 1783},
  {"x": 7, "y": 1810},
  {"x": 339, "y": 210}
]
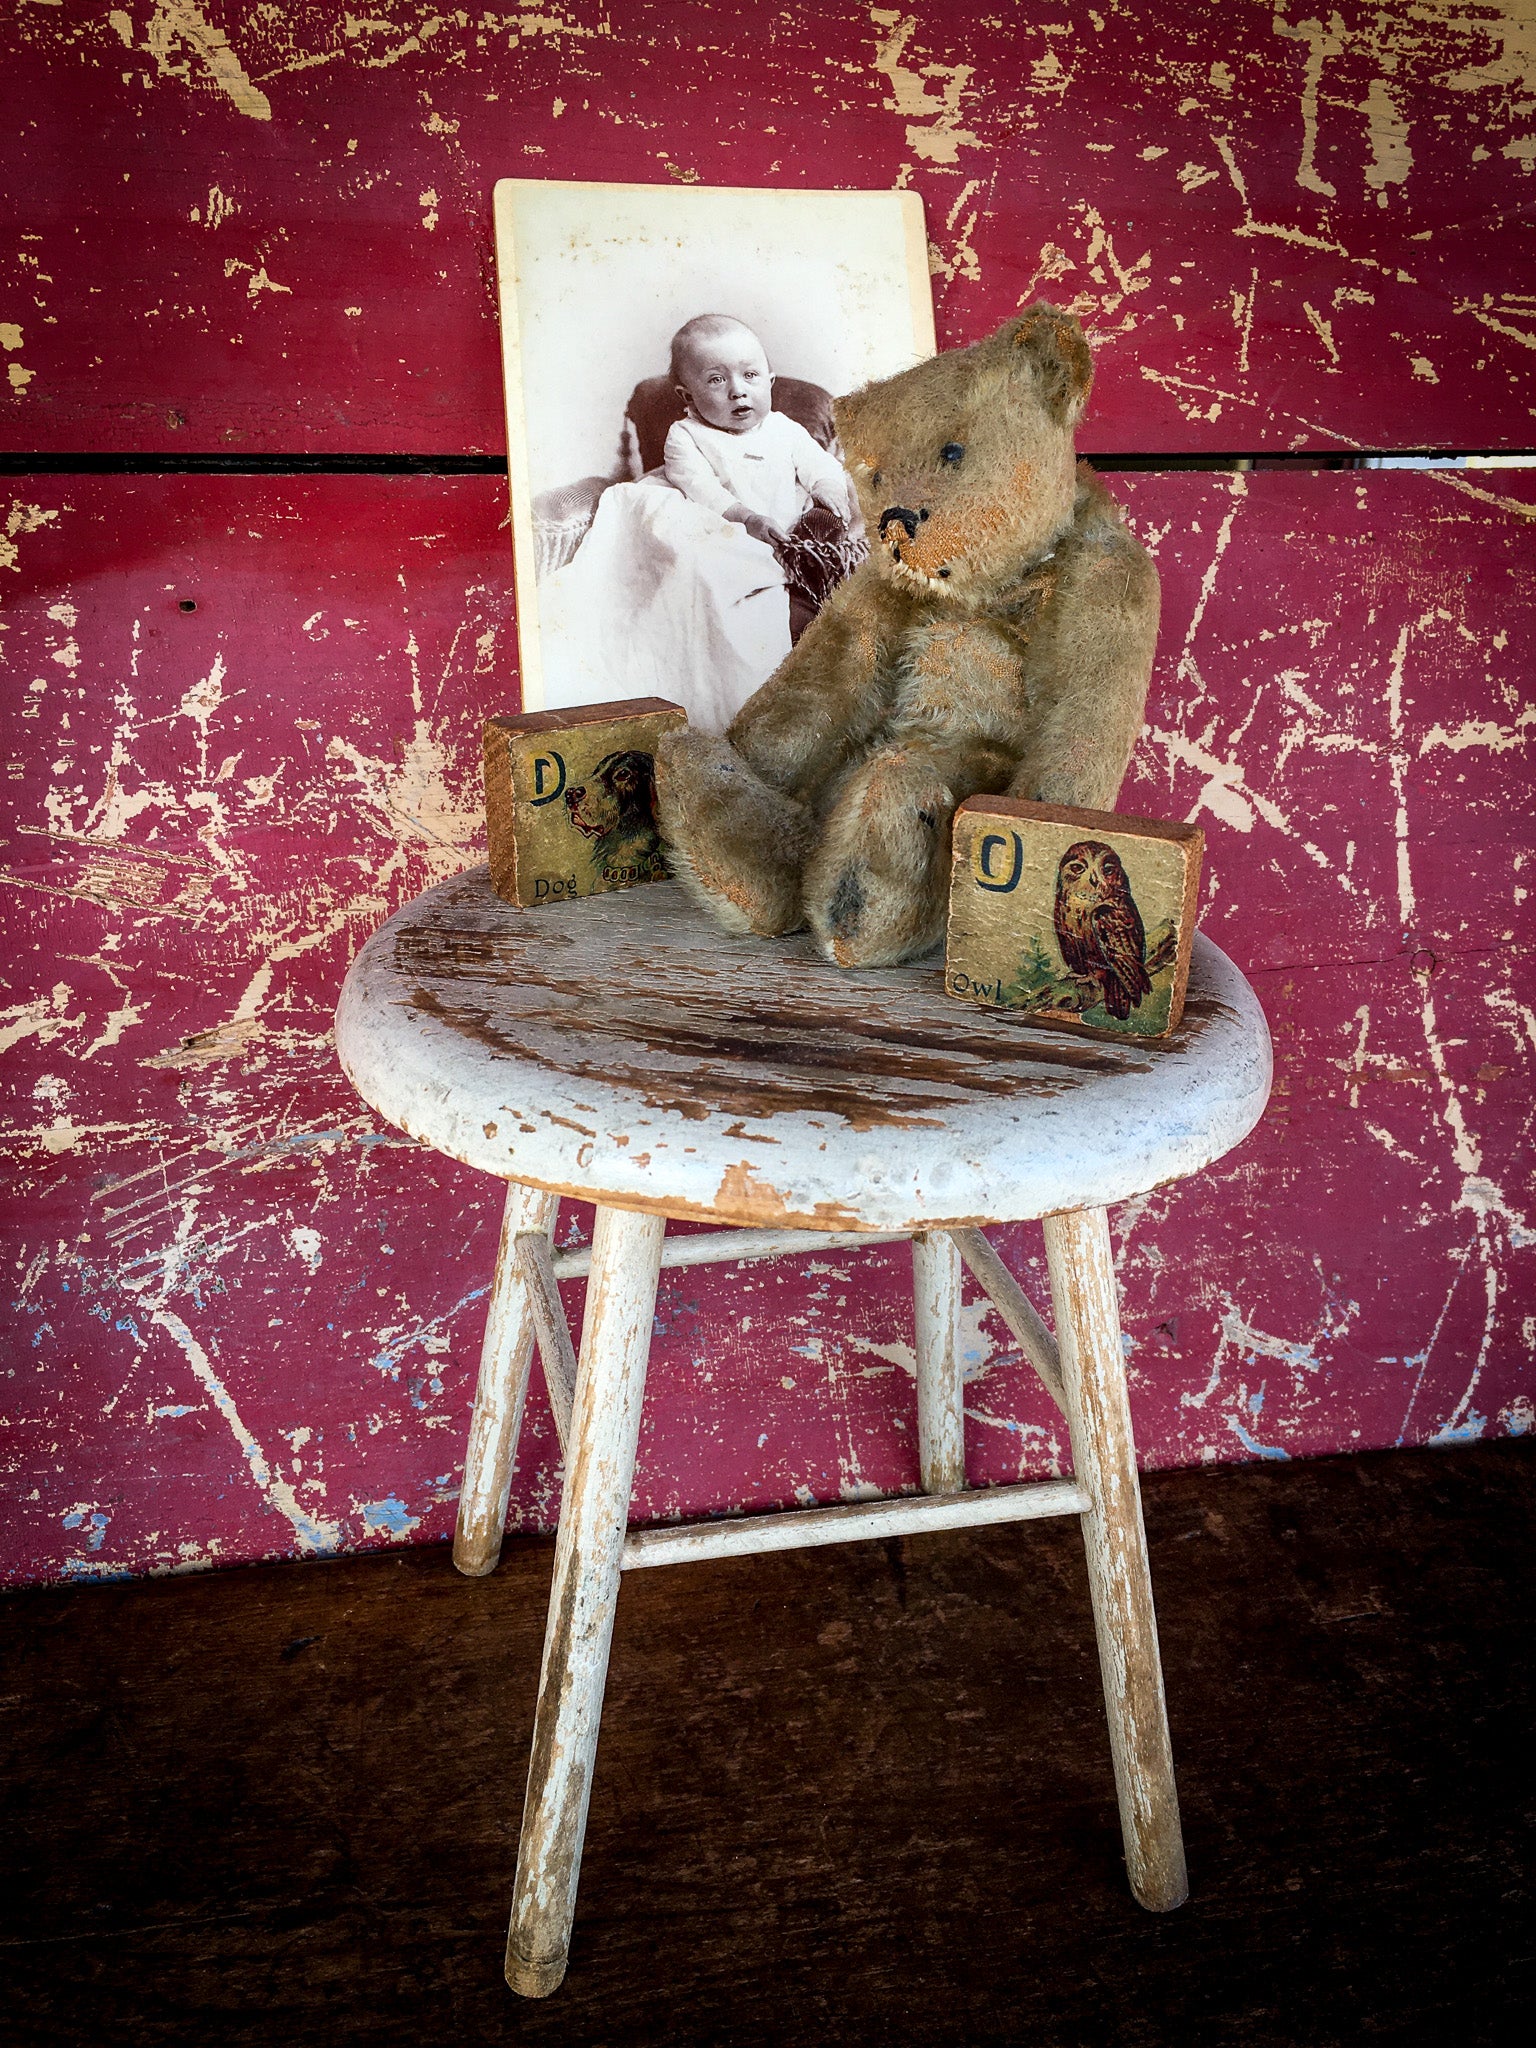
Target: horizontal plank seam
[{"x": 85, "y": 462}]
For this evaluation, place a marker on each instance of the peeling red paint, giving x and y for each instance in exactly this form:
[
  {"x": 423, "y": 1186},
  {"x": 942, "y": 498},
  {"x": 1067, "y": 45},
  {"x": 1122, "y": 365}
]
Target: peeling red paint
[
  {"x": 269, "y": 228},
  {"x": 244, "y": 1319}
]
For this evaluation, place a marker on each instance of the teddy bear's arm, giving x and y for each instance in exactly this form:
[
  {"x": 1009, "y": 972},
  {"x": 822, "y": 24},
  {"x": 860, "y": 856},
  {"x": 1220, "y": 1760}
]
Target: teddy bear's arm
[
  {"x": 1087, "y": 667},
  {"x": 830, "y": 693}
]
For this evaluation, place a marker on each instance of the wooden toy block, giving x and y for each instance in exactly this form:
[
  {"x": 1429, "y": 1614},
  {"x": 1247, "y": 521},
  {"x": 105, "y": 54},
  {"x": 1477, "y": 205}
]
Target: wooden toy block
[
  {"x": 569, "y": 799},
  {"x": 1081, "y": 918}
]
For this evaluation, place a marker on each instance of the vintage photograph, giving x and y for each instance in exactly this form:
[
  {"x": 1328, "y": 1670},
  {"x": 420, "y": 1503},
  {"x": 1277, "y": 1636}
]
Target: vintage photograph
[{"x": 679, "y": 507}]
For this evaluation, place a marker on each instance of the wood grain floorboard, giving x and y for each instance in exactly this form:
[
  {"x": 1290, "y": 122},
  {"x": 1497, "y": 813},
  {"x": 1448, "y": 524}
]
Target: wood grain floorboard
[{"x": 843, "y": 1796}]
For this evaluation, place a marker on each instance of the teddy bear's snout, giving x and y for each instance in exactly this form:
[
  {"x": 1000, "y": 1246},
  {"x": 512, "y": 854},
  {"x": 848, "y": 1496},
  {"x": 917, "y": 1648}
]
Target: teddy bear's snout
[{"x": 900, "y": 515}]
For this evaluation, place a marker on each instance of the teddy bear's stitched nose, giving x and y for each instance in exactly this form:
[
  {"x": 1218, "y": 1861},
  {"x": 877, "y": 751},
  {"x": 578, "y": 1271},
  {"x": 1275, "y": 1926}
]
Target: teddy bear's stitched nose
[{"x": 899, "y": 515}]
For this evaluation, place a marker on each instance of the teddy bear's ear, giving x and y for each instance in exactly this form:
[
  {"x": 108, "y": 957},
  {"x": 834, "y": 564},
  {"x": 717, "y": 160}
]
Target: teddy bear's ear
[
  {"x": 845, "y": 412},
  {"x": 1051, "y": 343}
]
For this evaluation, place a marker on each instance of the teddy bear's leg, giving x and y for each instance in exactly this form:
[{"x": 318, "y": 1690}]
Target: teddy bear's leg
[
  {"x": 877, "y": 884},
  {"x": 736, "y": 845},
  {"x": 832, "y": 692},
  {"x": 736, "y": 815}
]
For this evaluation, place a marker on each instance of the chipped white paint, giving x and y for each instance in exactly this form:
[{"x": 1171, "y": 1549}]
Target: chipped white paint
[
  {"x": 1016, "y": 1309},
  {"x": 936, "y": 1281},
  {"x": 505, "y": 1358},
  {"x": 624, "y": 1050},
  {"x": 594, "y": 1511},
  {"x": 861, "y": 1522},
  {"x": 556, "y": 1352},
  {"x": 740, "y": 1247},
  {"x": 1104, "y": 1463},
  {"x": 551, "y": 1046}
]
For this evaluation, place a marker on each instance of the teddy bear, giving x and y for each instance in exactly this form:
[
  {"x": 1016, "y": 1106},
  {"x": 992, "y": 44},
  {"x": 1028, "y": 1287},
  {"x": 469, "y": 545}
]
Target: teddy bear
[{"x": 998, "y": 637}]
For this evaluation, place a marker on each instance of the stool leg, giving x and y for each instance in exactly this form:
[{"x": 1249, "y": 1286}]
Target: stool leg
[
  {"x": 594, "y": 1515},
  {"x": 505, "y": 1358},
  {"x": 936, "y": 1278},
  {"x": 1082, "y": 1272}
]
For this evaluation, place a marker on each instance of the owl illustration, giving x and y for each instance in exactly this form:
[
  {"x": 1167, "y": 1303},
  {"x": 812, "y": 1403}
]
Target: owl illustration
[{"x": 1098, "y": 926}]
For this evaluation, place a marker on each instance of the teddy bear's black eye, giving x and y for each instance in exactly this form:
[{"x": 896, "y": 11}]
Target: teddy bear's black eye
[
  {"x": 952, "y": 451},
  {"x": 878, "y": 477}
]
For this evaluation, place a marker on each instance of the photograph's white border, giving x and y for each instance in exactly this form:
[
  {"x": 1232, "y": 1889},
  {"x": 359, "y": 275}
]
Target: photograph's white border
[{"x": 909, "y": 207}]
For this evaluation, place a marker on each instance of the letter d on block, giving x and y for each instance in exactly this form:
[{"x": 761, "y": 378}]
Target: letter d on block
[{"x": 546, "y": 766}]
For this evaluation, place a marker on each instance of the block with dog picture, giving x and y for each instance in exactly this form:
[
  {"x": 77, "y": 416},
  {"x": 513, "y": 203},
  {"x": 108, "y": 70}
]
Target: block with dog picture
[{"x": 569, "y": 799}]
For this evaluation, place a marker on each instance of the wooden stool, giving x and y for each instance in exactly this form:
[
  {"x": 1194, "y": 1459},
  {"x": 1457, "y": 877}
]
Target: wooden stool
[{"x": 622, "y": 1050}]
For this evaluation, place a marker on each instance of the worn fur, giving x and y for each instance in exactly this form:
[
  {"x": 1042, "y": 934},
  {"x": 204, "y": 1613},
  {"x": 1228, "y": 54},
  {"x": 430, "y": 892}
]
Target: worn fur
[{"x": 999, "y": 637}]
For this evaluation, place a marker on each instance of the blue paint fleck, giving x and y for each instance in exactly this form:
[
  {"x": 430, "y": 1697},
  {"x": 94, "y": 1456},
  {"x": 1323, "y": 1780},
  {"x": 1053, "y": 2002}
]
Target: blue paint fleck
[
  {"x": 1251, "y": 1443},
  {"x": 96, "y": 1527},
  {"x": 390, "y": 1515},
  {"x": 1466, "y": 1432}
]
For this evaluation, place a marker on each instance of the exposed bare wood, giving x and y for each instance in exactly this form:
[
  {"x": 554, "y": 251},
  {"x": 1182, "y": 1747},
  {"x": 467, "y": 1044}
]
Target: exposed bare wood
[
  {"x": 726, "y": 1247},
  {"x": 594, "y": 1511},
  {"x": 630, "y": 1053},
  {"x": 1104, "y": 1461},
  {"x": 556, "y": 1351},
  {"x": 809, "y": 1528},
  {"x": 1025, "y": 1323},
  {"x": 626, "y": 1051},
  {"x": 505, "y": 1357},
  {"x": 936, "y": 1281}
]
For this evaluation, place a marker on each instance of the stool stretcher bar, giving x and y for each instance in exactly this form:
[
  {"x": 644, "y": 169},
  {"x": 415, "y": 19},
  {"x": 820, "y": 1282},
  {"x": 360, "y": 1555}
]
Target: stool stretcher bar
[
  {"x": 1015, "y": 1307},
  {"x": 803, "y": 1528},
  {"x": 724, "y": 1247}
]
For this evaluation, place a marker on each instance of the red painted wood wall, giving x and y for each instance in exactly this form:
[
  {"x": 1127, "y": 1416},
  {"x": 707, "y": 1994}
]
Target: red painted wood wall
[{"x": 243, "y": 713}]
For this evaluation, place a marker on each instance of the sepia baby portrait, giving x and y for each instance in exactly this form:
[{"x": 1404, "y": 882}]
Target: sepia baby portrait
[
  {"x": 695, "y": 578},
  {"x": 680, "y": 511}
]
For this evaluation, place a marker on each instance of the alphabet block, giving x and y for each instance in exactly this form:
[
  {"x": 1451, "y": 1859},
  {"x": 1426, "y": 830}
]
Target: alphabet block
[
  {"x": 570, "y": 798},
  {"x": 1081, "y": 918}
]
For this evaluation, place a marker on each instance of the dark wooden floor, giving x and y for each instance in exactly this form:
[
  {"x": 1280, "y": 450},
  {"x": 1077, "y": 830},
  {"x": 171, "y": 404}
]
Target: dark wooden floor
[{"x": 844, "y": 1796}]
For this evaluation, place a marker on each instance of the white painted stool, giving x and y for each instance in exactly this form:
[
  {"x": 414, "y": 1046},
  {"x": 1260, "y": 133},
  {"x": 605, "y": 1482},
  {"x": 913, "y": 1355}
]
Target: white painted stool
[{"x": 623, "y": 1051}]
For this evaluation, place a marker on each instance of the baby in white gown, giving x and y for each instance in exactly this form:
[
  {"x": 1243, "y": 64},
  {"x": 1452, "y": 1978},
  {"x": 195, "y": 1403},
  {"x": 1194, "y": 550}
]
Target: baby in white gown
[
  {"x": 679, "y": 589},
  {"x": 735, "y": 454}
]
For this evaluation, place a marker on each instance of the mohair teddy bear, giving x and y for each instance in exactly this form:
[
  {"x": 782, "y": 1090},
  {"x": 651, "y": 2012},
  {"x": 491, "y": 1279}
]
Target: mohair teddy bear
[{"x": 998, "y": 638}]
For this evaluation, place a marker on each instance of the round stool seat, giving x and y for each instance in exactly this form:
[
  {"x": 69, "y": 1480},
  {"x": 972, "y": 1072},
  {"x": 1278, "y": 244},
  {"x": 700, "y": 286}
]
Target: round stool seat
[{"x": 622, "y": 1049}]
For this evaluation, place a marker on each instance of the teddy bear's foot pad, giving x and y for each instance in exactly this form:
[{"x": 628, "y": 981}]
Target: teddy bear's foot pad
[{"x": 876, "y": 886}]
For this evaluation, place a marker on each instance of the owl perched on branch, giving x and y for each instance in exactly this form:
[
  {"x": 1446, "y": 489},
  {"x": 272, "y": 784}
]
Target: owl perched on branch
[{"x": 1098, "y": 926}]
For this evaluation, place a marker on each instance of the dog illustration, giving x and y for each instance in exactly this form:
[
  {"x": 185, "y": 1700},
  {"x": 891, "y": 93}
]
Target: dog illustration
[{"x": 614, "y": 810}]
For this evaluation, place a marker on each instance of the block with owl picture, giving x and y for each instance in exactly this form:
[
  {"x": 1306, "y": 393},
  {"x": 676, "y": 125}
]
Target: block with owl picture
[
  {"x": 570, "y": 799},
  {"x": 1079, "y": 918}
]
